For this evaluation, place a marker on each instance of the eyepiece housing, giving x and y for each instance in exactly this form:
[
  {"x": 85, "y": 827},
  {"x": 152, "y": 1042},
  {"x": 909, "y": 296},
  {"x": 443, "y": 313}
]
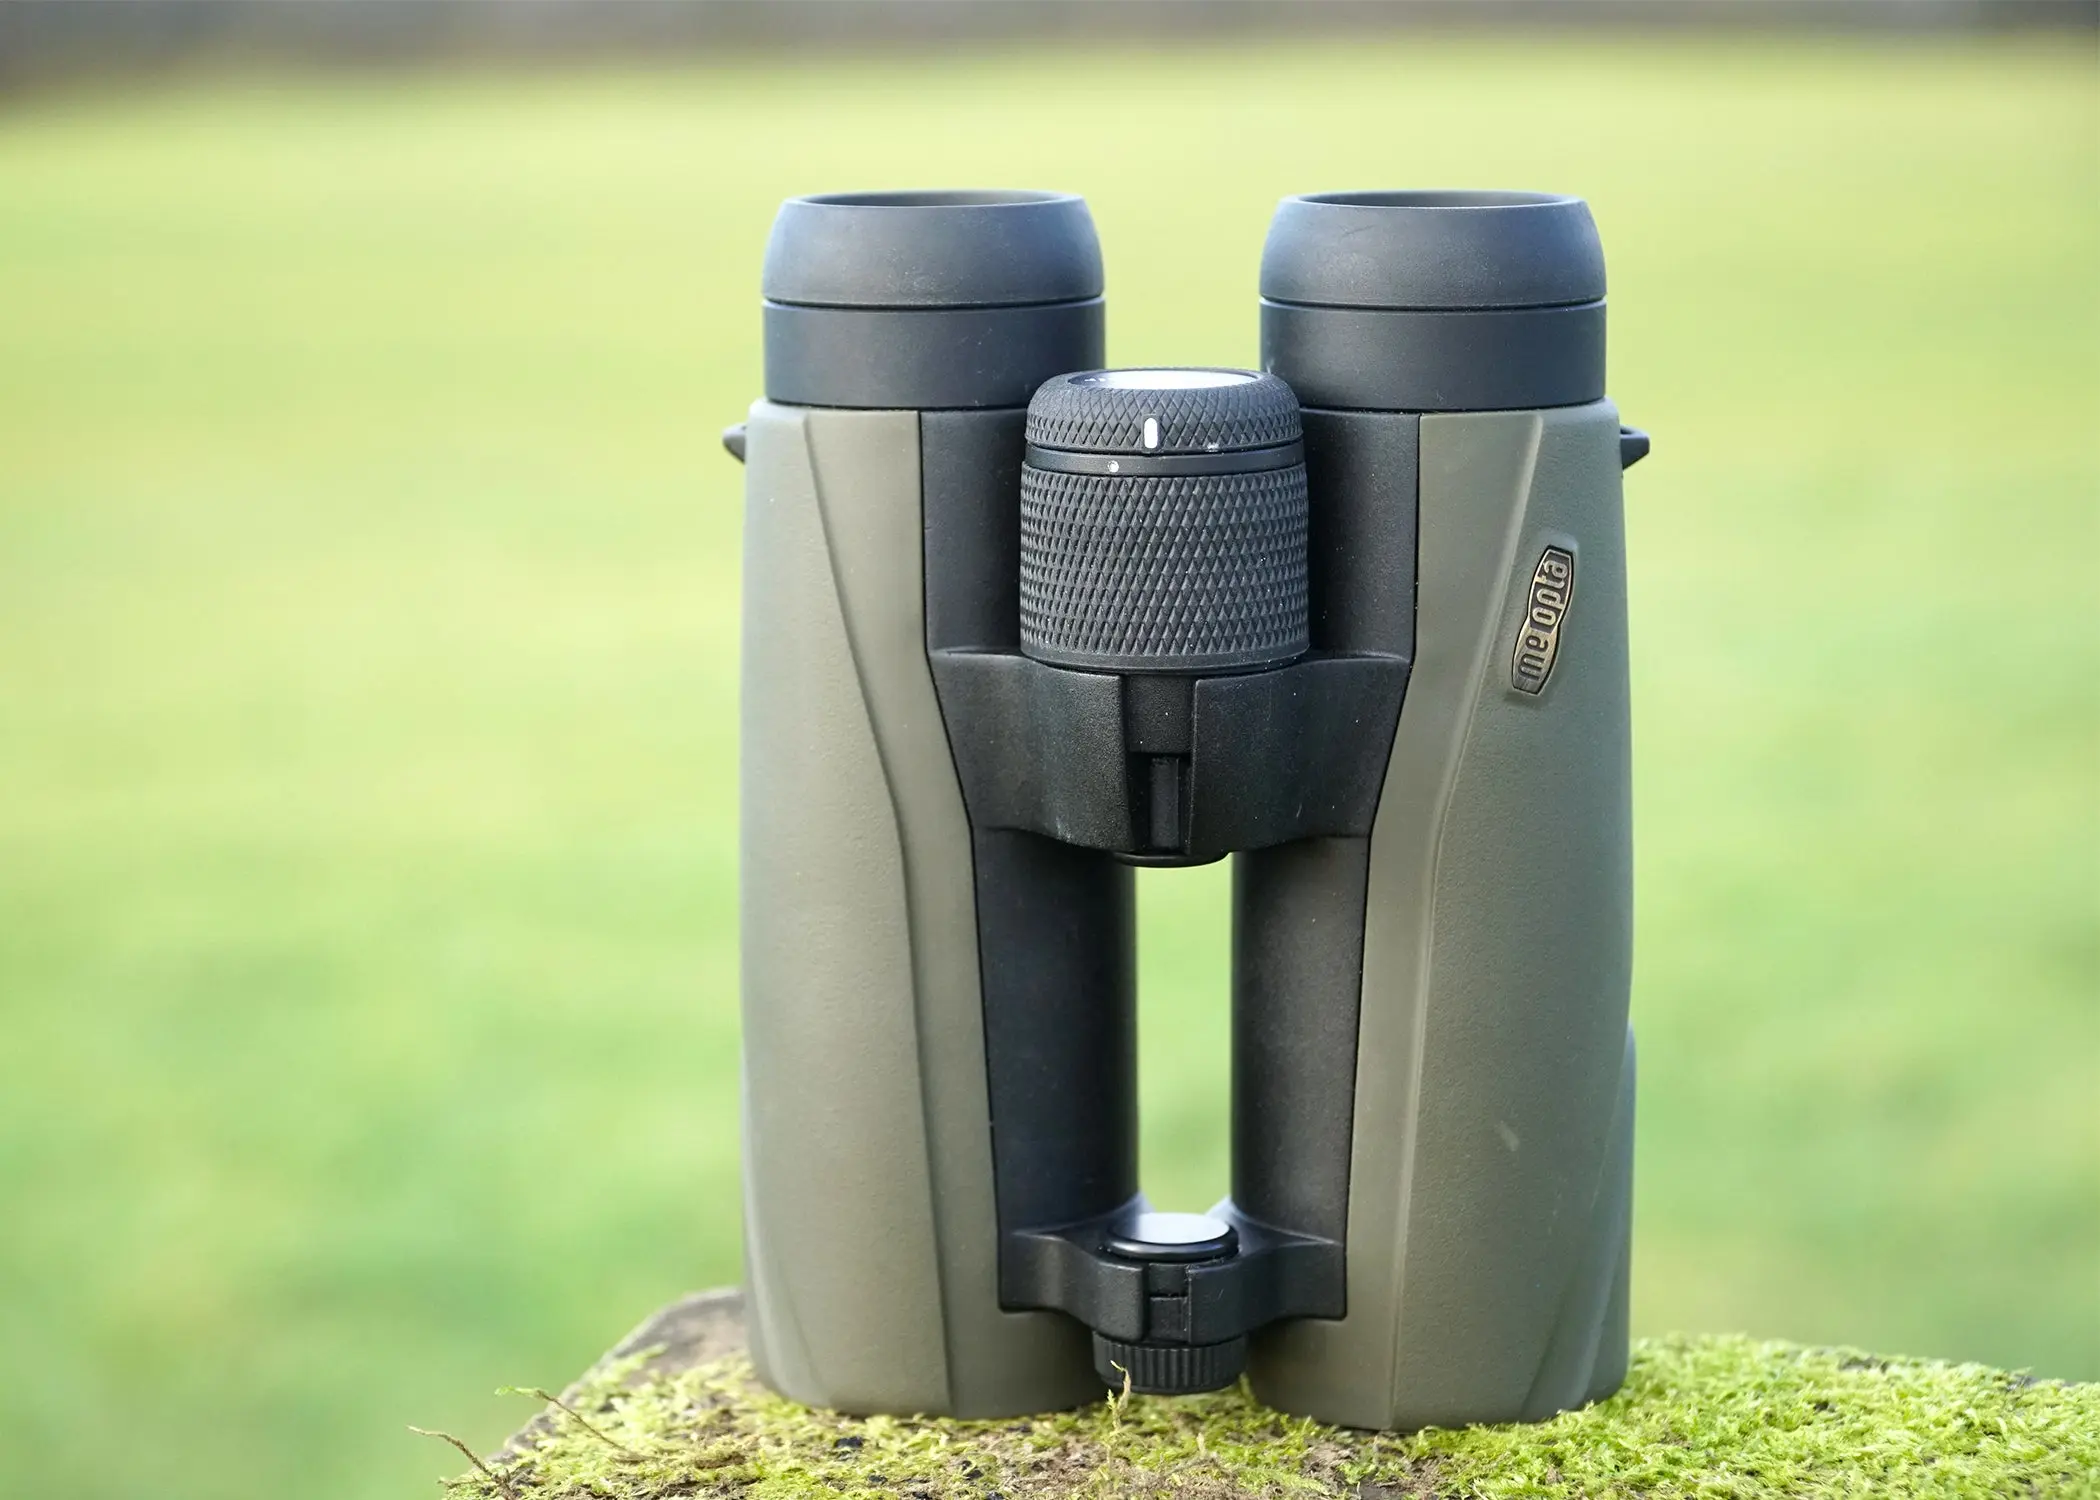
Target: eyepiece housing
[
  {"x": 929, "y": 300},
  {"x": 1434, "y": 301}
]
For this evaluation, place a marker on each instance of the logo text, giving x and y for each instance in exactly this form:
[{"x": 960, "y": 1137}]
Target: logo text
[{"x": 1538, "y": 633}]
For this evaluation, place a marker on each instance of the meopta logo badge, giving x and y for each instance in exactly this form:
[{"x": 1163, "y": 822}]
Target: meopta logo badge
[{"x": 1538, "y": 634}]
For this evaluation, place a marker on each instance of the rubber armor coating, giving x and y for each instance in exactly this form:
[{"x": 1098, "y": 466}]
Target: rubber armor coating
[
  {"x": 1490, "y": 1172},
  {"x": 870, "y": 1233}
]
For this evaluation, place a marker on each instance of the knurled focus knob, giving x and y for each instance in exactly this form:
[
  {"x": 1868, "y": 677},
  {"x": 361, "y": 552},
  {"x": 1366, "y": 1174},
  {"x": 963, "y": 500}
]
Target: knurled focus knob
[{"x": 1163, "y": 522}]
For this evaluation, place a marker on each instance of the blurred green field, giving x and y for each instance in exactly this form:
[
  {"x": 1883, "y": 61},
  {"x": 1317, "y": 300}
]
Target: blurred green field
[{"x": 368, "y": 577}]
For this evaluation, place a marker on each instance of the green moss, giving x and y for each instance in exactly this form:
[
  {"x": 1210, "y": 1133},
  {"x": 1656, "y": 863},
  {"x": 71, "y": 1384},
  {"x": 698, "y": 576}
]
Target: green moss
[{"x": 1719, "y": 1417}]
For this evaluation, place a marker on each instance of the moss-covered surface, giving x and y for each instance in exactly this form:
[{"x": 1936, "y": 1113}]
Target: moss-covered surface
[{"x": 1718, "y": 1417}]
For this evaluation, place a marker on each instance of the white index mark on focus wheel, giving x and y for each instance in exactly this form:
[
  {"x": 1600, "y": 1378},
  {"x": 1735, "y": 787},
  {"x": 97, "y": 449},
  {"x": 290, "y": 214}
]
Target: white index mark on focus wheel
[{"x": 1151, "y": 432}]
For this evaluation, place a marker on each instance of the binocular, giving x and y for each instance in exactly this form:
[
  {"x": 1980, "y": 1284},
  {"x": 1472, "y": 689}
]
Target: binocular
[{"x": 1013, "y": 624}]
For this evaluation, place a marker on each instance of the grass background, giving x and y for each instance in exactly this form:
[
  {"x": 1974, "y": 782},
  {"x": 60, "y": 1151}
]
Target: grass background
[{"x": 368, "y": 577}]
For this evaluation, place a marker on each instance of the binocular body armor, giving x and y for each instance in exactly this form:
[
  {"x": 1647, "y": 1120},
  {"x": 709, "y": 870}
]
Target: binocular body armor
[{"x": 1357, "y": 621}]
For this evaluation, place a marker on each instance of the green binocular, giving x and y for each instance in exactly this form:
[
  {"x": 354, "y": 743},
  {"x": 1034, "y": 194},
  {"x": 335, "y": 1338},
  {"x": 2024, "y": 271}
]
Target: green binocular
[{"x": 1015, "y": 624}]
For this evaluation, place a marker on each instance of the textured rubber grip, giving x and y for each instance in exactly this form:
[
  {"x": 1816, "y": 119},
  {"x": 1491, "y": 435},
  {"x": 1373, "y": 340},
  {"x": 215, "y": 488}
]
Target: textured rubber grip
[
  {"x": 1147, "y": 567},
  {"x": 1200, "y": 573}
]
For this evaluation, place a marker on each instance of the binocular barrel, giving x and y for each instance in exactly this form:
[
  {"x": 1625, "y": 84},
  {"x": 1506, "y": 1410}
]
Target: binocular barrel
[{"x": 1014, "y": 624}]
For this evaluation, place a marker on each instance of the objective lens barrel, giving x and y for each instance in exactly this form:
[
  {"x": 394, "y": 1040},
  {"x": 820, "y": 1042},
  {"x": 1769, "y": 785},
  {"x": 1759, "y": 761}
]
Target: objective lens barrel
[{"x": 904, "y": 334}]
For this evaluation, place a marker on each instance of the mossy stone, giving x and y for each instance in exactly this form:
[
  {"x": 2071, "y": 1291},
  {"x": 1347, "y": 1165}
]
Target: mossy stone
[{"x": 674, "y": 1411}]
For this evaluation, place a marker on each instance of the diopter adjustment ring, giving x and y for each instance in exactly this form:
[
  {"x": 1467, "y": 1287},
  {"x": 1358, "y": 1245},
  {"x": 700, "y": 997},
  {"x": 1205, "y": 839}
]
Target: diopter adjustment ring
[{"x": 1163, "y": 411}]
